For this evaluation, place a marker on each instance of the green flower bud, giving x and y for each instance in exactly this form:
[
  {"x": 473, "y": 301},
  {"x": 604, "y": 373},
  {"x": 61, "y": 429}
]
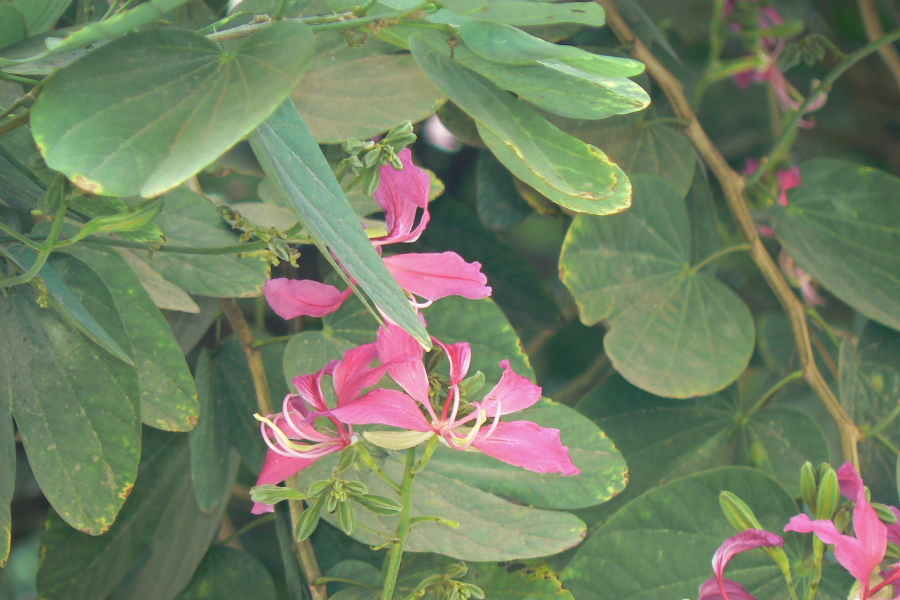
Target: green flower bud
[
  {"x": 829, "y": 494},
  {"x": 884, "y": 513},
  {"x": 348, "y": 458},
  {"x": 471, "y": 385},
  {"x": 379, "y": 504},
  {"x": 309, "y": 520},
  {"x": 808, "y": 488},
  {"x": 273, "y": 494},
  {"x": 737, "y": 512},
  {"x": 397, "y": 440},
  {"x": 331, "y": 502},
  {"x": 316, "y": 488},
  {"x": 129, "y": 220},
  {"x": 347, "y": 517}
]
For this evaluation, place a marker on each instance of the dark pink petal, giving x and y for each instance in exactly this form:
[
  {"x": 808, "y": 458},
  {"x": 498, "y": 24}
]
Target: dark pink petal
[
  {"x": 744, "y": 79},
  {"x": 769, "y": 17},
  {"x": 528, "y": 445},
  {"x": 385, "y": 407},
  {"x": 353, "y": 373},
  {"x": 276, "y": 469},
  {"x": 310, "y": 388},
  {"x": 741, "y": 542},
  {"x": 291, "y": 298},
  {"x": 514, "y": 393},
  {"x": 437, "y": 275},
  {"x": 460, "y": 356},
  {"x": 787, "y": 179},
  {"x": 403, "y": 356},
  {"x": 728, "y": 590},
  {"x": 400, "y": 192},
  {"x": 849, "y": 480}
]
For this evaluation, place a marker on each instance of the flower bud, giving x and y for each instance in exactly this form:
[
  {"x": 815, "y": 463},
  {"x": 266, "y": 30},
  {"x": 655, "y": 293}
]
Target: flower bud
[
  {"x": 471, "y": 385},
  {"x": 737, "y": 512},
  {"x": 379, "y": 504},
  {"x": 808, "y": 489},
  {"x": 893, "y": 552},
  {"x": 457, "y": 570},
  {"x": 397, "y": 440},
  {"x": 331, "y": 502},
  {"x": 273, "y": 494},
  {"x": 129, "y": 220},
  {"x": 316, "y": 488},
  {"x": 356, "y": 488},
  {"x": 347, "y": 517},
  {"x": 309, "y": 520},
  {"x": 828, "y": 495},
  {"x": 884, "y": 513}
]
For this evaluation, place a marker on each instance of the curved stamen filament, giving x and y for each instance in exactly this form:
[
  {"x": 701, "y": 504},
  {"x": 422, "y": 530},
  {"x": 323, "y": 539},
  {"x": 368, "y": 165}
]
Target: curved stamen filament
[
  {"x": 286, "y": 444},
  {"x": 425, "y": 304},
  {"x": 463, "y": 443},
  {"x": 496, "y": 420},
  {"x": 452, "y": 420}
]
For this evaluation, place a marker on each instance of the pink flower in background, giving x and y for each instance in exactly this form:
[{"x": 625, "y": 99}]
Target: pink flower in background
[
  {"x": 719, "y": 588},
  {"x": 800, "y": 279},
  {"x": 850, "y": 483}
]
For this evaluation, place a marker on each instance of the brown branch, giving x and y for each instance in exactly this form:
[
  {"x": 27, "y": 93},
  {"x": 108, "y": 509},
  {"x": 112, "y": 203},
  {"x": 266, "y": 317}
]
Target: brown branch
[
  {"x": 874, "y": 31},
  {"x": 264, "y": 401},
  {"x": 733, "y": 186}
]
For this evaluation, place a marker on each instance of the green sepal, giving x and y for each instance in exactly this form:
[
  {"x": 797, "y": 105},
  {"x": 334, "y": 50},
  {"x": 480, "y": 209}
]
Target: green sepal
[
  {"x": 309, "y": 520},
  {"x": 273, "y": 494}
]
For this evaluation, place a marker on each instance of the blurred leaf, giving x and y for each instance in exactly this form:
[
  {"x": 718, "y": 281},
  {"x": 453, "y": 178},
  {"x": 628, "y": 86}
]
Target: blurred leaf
[
  {"x": 76, "y": 407},
  {"x": 357, "y": 570},
  {"x": 41, "y": 15},
  {"x": 156, "y": 119},
  {"x": 188, "y": 219},
  {"x": 7, "y": 462},
  {"x": 154, "y": 547},
  {"x": 12, "y": 25},
  {"x": 210, "y": 446},
  {"x": 671, "y": 532},
  {"x": 674, "y": 331},
  {"x": 189, "y": 329},
  {"x": 292, "y": 159},
  {"x": 293, "y": 579},
  {"x": 499, "y": 204},
  {"x": 361, "y": 91},
  {"x": 664, "y": 439},
  {"x": 164, "y": 294},
  {"x": 570, "y": 173},
  {"x": 842, "y": 226},
  {"x": 168, "y": 395},
  {"x": 703, "y": 221},
  {"x": 523, "y": 14},
  {"x": 460, "y": 125},
  {"x": 229, "y": 574}
]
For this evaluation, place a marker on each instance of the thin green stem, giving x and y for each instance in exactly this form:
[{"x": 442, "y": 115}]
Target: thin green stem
[
  {"x": 324, "y": 580},
  {"x": 17, "y": 79},
  {"x": 17, "y": 237},
  {"x": 367, "y": 460},
  {"x": 793, "y": 125},
  {"x": 717, "y": 255},
  {"x": 791, "y": 377},
  {"x": 395, "y": 555},
  {"x": 818, "y": 552},
  {"x": 887, "y": 443},
  {"x": 823, "y": 325},
  {"x": 441, "y": 520},
  {"x": 267, "y": 341},
  {"x": 279, "y": 12},
  {"x": 251, "y": 525},
  {"x": 44, "y": 249}
]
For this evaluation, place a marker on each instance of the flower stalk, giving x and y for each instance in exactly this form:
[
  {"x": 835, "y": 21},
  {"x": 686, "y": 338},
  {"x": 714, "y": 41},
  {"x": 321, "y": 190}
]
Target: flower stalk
[{"x": 395, "y": 555}]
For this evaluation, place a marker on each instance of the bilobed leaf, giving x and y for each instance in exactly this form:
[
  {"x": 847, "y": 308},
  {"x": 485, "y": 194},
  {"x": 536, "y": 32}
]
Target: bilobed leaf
[
  {"x": 155, "y": 545},
  {"x": 188, "y": 219},
  {"x": 499, "y": 204},
  {"x": 168, "y": 395},
  {"x": 659, "y": 545},
  {"x": 169, "y": 103},
  {"x": 568, "y": 172},
  {"x": 229, "y": 574},
  {"x": 842, "y": 226},
  {"x": 210, "y": 446},
  {"x": 361, "y": 91},
  {"x": 76, "y": 407},
  {"x": 674, "y": 331},
  {"x": 291, "y": 157}
]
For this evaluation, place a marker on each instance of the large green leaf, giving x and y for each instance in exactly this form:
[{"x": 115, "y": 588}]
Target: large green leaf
[
  {"x": 210, "y": 446},
  {"x": 664, "y": 439},
  {"x": 568, "y": 172},
  {"x": 169, "y": 102},
  {"x": 361, "y": 91},
  {"x": 229, "y": 574},
  {"x": 499, "y": 204},
  {"x": 168, "y": 395},
  {"x": 659, "y": 546},
  {"x": 675, "y": 331},
  {"x": 76, "y": 407},
  {"x": 489, "y": 528},
  {"x": 842, "y": 226},
  {"x": 41, "y": 15},
  {"x": 154, "y": 546},
  {"x": 188, "y": 219},
  {"x": 290, "y": 156},
  {"x": 12, "y": 25},
  {"x": 525, "y": 14}
]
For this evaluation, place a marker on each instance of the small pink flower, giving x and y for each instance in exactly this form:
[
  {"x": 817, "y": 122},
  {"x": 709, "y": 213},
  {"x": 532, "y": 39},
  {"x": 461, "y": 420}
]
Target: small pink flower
[
  {"x": 800, "y": 279},
  {"x": 400, "y": 193},
  {"x": 719, "y": 588},
  {"x": 851, "y": 483}
]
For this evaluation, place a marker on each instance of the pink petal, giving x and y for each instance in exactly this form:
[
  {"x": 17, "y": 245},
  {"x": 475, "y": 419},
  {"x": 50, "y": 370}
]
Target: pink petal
[
  {"x": 769, "y": 17},
  {"x": 385, "y": 407},
  {"x": 310, "y": 388},
  {"x": 276, "y": 469},
  {"x": 514, "y": 393},
  {"x": 751, "y": 166},
  {"x": 437, "y": 275},
  {"x": 870, "y": 531},
  {"x": 742, "y": 542},
  {"x": 291, "y": 298},
  {"x": 729, "y": 590},
  {"x": 787, "y": 179},
  {"x": 893, "y": 531},
  {"x": 744, "y": 79},
  {"x": 460, "y": 357},
  {"x": 400, "y": 192},
  {"x": 403, "y": 356},
  {"x": 530, "y": 446},
  {"x": 353, "y": 374}
]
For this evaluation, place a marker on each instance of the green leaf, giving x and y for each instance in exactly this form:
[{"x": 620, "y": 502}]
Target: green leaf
[
  {"x": 168, "y": 395},
  {"x": 357, "y": 570},
  {"x": 639, "y": 146},
  {"x": 164, "y": 294},
  {"x": 229, "y": 574},
  {"x": 361, "y": 91},
  {"x": 76, "y": 407},
  {"x": 210, "y": 445},
  {"x": 490, "y": 528},
  {"x": 188, "y": 219},
  {"x": 524, "y": 14},
  {"x": 41, "y": 15},
  {"x": 674, "y": 331},
  {"x": 703, "y": 221},
  {"x": 292, "y": 159},
  {"x": 7, "y": 462},
  {"x": 659, "y": 545},
  {"x": 568, "y": 172},
  {"x": 664, "y": 439},
  {"x": 499, "y": 204},
  {"x": 173, "y": 107},
  {"x": 154, "y": 546},
  {"x": 842, "y": 226},
  {"x": 12, "y": 25}
]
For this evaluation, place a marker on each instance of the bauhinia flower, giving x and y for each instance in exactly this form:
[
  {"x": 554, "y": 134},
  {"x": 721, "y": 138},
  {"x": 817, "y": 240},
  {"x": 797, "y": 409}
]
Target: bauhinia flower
[
  {"x": 851, "y": 482},
  {"x": 520, "y": 443},
  {"x": 431, "y": 276},
  {"x": 719, "y": 588}
]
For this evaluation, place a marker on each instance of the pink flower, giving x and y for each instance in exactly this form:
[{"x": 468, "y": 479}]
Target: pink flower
[
  {"x": 851, "y": 483},
  {"x": 718, "y": 587},
  {"x": 521, "y": 443},
  {"x": 399, "y": 194},
  {"x": 787, "y": 179},
  {"x": 291, "y": 298},
  {"x": 800, "y": 279},
  {"x": 860, "y": 555},
  {"x": 437, "y": 275}
]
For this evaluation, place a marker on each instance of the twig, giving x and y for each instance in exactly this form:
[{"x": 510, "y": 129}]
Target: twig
[
  {"x": 14, "y": 121},
  {"x": 264, "y": 401},
  {"x": 733, "y": 187},
  {"x": 874, "y": 32},
  {"x": 591, "y": 377}
]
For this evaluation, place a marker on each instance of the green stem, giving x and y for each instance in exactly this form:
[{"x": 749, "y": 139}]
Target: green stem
[
  {"x": 267, "y": 341},
  {"x": 367, "y": 460},
  {"x": 44, "y": 249},
  {"x": 396, "y": 552},
  {"x": 324, "y": 580},
  {"x": 441, "y": 520},
  {"x": 14, "y": 121},
  {"x": 793, "y": 125},
  {"x": 818, "y": 552},
  {"x": 795, "y": 376},
  {"x": 719, "y": 254},
  {"x": 17, "y": 237},
  {"x": 17, "y": 79},
  {"x": 887, "y": 443},
  {"x": 251, "y": 525},
  {"x": 279, "y": 12},
  {"x": 823, "y": 325}
]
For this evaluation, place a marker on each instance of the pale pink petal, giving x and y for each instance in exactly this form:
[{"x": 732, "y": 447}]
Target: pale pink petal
[
  {"x": 528, "y": 445},
  {"x": 437, "y": 275},
  {"x": 460, "y": 357},
  {"x": 729, "y": 590},
  {"x": 403, "y": 356},
  {"x": 514, "y": 393},
  {"x": 742, "y": 542},
  {"x": 291, "y": 298},
  {"x": 352, "y": 374},
  {"x": 276, "y": 469},
  {"x": 400, "y": 192},
  {"x": 385, "y": 407}
]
